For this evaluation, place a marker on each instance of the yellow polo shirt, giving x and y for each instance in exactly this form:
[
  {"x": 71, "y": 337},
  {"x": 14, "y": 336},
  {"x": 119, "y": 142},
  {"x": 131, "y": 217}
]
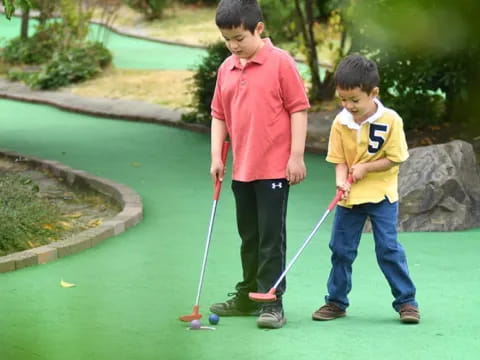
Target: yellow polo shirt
[{"x": 379, "y": 136}]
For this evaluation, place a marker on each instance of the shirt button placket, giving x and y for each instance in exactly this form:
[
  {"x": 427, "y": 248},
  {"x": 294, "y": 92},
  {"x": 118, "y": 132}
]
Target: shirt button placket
[{"x": 243, "y": 80}]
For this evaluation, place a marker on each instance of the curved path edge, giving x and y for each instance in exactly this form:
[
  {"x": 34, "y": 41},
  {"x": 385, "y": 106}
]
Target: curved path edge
[
  {"x": 132, "y": 110},
  {"x": 130, "y": 215}
]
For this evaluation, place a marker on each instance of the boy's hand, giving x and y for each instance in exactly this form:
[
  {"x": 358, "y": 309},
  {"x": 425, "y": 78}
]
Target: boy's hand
[
  {"x": 217, "y": 171},
  {"x": 358, "y": 171},
  {"x": 345, "y": 187},
  {"x": 296, "y": 170}
]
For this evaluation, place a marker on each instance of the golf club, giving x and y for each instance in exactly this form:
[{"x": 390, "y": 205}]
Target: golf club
[
  {"x": 270, "y": 295},
  {"x": 195, "y": 315}
]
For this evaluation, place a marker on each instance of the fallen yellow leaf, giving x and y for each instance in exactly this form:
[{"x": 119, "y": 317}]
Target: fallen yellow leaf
[
  {"x": 65, "y": 225},
  {"x": 47, "y": 227},
  {"x": 65, "y": 284},
  {"x": 94, "y": 223},
  {"x": 73, "y": 215}
]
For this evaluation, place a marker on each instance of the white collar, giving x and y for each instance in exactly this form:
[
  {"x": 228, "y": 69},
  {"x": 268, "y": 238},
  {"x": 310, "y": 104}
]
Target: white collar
[{"x": 346, "y": 118}]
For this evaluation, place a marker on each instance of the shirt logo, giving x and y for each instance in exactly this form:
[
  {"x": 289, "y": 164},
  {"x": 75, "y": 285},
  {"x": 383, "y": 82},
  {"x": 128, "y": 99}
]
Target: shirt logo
[
  {"x": 276, "y": 186},
  {"x": 376, "y": 137}
]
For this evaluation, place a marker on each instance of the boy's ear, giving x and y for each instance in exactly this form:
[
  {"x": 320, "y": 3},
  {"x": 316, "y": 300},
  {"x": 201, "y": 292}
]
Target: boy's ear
[
  {"x": 375, "y": 91},
  {"x": 259, "y": 28}
]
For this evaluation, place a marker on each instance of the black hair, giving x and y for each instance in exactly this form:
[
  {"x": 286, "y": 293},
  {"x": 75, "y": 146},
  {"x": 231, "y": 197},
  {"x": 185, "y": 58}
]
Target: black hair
[
  {"x": 357, "y": 71},
  {"x": 236, "y": 13}
]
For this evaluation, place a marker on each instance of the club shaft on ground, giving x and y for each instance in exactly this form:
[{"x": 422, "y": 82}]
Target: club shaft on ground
[
  {"x": 205, "y": 253},
  {"x": 305, "y": 243}
]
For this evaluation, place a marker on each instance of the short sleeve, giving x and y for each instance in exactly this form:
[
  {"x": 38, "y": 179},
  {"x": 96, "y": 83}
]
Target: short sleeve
[
  {"x": 396, "y": 149},
  {"x": 335, "y": 152},
  {"x": 217, "y": 104},
  {"x": 293, "y": 90}
]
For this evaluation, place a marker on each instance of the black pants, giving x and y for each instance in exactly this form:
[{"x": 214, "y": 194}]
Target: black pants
[{"x": 261, "y": 215}]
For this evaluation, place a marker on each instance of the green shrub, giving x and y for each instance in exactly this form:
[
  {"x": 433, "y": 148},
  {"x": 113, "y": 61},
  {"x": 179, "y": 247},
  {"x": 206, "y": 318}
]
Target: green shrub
[
  {"x": 70, "y": 66},
  {"x": 152, "y": 9},
  {"x": 37, "y": 49},
  {"x": 279, "y": 18},
  {"x": 416, "y": 66},
  {"x": 408, "y": 85},
  {"x": 204, "y": 83},
  {"x": 22, "y": 215},
  {"x": 199, "y": 2},
  {"x": 16, "y": 75}
]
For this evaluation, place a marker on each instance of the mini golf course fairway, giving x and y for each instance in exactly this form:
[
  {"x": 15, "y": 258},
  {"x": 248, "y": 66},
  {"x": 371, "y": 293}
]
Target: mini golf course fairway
[{"x": 130, "y": 289}]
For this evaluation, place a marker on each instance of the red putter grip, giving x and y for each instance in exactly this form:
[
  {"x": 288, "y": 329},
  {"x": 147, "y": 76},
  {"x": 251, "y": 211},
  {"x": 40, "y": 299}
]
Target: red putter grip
[
  {"x": 218, "y": 183},
  {"x": 339, "y": 194}
]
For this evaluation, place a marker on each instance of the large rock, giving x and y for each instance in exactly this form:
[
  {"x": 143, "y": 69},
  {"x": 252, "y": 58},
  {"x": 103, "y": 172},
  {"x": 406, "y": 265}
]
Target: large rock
[{"x": 439, "y": 187}]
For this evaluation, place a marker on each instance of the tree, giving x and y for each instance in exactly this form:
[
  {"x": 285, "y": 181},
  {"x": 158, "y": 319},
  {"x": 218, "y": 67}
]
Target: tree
[
  {"x": 306, "y": 29},
  {"x": 307, "y": 18},
  {"x": 10, "y": 6},
  {"x": 46, "y": 9},
  {"x": 423, "y": 46}
]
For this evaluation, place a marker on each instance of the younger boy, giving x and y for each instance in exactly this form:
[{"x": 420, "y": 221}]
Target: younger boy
[
  {"x": 368, "y": 142},
  {"x": 260, "y": 102}
]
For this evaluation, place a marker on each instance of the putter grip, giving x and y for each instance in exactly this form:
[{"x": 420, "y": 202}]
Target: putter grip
[
  {"x": 339, "y": 194},
  {"x": 218, "y": 183}
]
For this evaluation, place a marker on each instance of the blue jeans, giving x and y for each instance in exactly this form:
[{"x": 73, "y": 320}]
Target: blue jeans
[{"x": 347, "y": 230}]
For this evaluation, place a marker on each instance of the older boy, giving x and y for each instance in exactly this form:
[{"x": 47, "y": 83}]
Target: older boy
[
  {"x": 367, "y": 141},
  {"x": 260, "y": 102}
]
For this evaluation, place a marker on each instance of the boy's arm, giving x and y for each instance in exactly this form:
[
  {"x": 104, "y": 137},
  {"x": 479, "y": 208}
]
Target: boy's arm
[
  {"x": 341, "y": 174},
  {"x": 218, "y": 136},
  {"x": 358, "y": 171},
  {"x": 296, "y": 170}
]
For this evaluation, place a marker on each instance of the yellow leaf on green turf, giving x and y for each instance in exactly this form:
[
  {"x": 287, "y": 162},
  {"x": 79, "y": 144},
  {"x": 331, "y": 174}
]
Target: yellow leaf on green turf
[{"x": 65, "y": 284}]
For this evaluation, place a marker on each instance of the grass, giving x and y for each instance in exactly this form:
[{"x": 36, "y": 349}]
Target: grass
[
  {"x": 164, "y": 87},
  {"x": 24, "y": 218},
  {"x": 181, "y": 23},
  {"x": 36, "y": 208},
  {"x": 195, "y": 25}
]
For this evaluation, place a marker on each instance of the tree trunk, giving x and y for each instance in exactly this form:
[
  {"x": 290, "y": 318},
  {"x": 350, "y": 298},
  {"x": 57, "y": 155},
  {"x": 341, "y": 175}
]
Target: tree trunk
[
  {"x": 306, "y": 26},
  {"x": 327, "y": 89},
  {"x": 25, "y": 21}
]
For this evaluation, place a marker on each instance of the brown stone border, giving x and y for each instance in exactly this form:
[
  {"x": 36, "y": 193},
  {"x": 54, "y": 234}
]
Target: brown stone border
[{"x": 130, "y": 215}]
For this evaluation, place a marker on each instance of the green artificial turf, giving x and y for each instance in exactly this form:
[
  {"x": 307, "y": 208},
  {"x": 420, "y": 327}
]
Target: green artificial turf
[
  {"x": 132, "y": 288},
  {"x": 133, "y": 53},
  {"x": 128, "y": 52}
]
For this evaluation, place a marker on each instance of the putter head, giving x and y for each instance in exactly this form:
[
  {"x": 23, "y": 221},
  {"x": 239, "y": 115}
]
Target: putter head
[
  {"x": 193, "y": 316},
  {"x": 261, "y": 297}
]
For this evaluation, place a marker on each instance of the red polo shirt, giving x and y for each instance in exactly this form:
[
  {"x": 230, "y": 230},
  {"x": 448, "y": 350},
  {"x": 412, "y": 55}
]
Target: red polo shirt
[{"x": 256, "y": 101}]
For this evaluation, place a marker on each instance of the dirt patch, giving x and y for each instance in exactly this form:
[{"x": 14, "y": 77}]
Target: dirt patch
[
  {"x": 188, "y": 24},
  {"x": 170, "y": 88},
  {"x": 78, "y": 209}
]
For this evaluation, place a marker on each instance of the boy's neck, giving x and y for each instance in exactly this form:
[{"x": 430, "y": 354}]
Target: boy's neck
[
  {"x": 372, "y": 111},
  {"x": 244, "y": 61}
]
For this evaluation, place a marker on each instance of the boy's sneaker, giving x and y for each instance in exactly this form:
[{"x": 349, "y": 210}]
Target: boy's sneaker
[
  {"x": 271, "y": 317},
  {"x": 409, "y": 314},
  {"x": 328, "y": 311},
  {"x": 236, "y": 306}
]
